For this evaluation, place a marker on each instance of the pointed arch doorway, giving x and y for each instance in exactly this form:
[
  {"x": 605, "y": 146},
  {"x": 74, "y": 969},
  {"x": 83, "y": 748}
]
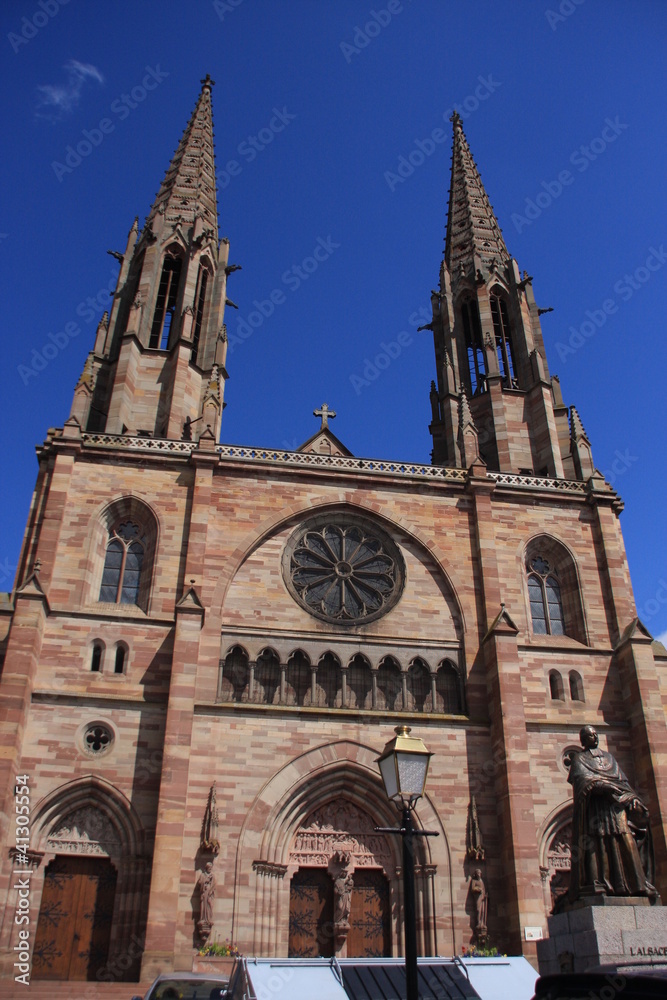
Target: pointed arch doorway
[
  {"x": 276, "y": 841},
  {"x": 90, "y": 885},
  {"x": 340, "y": 893}
]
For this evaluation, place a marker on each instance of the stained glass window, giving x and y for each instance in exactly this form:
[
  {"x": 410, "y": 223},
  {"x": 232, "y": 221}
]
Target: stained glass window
[
  {"x": 546, "y": 605},
  {"x": 121, "y": 577}
]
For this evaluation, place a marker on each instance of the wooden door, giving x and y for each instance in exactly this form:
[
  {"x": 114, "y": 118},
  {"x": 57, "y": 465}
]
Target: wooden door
[
  {"x": 369, "y": 935},
  {"x": 311, "y": 914},
  {"x": 73, "y": 930}
]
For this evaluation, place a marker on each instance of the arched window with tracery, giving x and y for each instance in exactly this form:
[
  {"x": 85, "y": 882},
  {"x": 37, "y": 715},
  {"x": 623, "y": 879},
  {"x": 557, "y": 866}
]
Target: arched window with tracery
[
  {"x": 503, "y": 338},
  {"x": 121, "y": 577},
  {"x": 555, "y": 601},
  {"x": 165, "y": 304},
  {"x": 546, "y": 605},
  {"x": 472, "y": 331}
]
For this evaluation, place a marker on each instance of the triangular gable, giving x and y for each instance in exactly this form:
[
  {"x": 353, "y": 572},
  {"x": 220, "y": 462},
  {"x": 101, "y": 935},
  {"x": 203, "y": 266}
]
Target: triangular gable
[{"x": 324, "y": 442}]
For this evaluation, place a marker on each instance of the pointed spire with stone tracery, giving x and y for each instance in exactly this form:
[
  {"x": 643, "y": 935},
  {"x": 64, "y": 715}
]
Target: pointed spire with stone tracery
[
  {"x": 473, "y": 238},
  {"x": 161, "y": 361},
  {"x": 188, "y": 189}
]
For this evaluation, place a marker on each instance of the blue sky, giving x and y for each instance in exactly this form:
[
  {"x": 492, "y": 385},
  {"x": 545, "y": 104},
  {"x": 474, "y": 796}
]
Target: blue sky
[{"x": 318, "y": 104}]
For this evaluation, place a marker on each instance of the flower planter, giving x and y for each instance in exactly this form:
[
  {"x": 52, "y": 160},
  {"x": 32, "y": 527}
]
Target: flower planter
[{"x": 219, "y": 965}]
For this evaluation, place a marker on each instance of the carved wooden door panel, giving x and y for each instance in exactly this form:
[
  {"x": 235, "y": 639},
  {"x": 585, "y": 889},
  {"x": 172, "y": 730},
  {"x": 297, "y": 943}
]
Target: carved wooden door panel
[
  {"x": 311, "y": 914},
  {"x": 370, "y": 933},
  {"x": 72, "y": 938}
]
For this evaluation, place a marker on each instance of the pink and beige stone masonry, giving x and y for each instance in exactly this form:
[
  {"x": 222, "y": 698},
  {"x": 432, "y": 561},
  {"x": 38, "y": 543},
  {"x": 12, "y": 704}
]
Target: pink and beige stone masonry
[{"x": 224, "y": 525}]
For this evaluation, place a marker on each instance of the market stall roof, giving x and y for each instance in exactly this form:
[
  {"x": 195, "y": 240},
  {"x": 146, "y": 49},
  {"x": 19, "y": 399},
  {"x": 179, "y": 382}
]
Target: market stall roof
[
  {"x": 383, "y": 979},
  {"x": 293, "y": 978},
  {"x": 501, "y": 978}
]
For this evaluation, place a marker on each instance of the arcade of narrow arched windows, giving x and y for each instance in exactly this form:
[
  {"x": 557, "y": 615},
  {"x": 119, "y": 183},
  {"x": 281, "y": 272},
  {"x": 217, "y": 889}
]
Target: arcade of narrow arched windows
[{"x": 390, "y": 686}]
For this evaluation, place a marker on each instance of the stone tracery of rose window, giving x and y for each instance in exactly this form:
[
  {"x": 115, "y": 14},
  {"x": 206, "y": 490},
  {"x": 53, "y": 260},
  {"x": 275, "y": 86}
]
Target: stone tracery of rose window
[{"x": 343, "y": 570}]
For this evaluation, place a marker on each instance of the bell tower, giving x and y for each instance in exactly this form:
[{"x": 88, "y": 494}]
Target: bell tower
[
  {"x": 494, "y": 399},
  {"x": 157, "y": 368}
]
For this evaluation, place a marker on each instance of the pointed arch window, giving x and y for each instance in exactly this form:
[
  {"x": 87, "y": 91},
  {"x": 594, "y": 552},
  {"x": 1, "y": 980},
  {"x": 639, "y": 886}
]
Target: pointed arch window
[
  {"x": 121, "y": 578},
  {"x": 359, "y": 683},
  {"x": 298, "y": 679},
  {"x": 96, "y": 658},
  {"x": 235, "y": 676},
  {"x": 546, "y": 605},
  {"x": 200, "y": 302},
  {"x": 472, "y": 331},
  {"x": 576, "y": 686},
  {"x": 503, "y": 338},
  {"x": 556, "y": 686},
  {"x": 329, "y": 682},
  {"x": 389, "y": 686},
  {"x": 448, "y": 690},
  {"x": 120, "y": 659},
  {"x": 267, "y": 678},
  {"x": 418, "y": 683},
  {"x": 165, "y": 305}
]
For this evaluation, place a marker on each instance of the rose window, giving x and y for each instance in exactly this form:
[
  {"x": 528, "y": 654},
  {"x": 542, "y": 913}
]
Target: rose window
[{"x": 343, "y": 570}]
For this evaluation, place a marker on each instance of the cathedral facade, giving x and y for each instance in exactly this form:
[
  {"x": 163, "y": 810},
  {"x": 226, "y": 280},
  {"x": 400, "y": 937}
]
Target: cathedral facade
[{"x": 208, "y": 646}]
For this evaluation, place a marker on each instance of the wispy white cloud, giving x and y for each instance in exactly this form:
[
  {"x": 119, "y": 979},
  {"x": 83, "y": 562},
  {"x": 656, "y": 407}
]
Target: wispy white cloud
[
  {"x": 662, "y": 638},
  {"x": 55, "y": 100}
]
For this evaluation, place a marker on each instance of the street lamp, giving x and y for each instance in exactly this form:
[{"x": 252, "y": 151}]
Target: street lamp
[{"x": 403, "y": 767}]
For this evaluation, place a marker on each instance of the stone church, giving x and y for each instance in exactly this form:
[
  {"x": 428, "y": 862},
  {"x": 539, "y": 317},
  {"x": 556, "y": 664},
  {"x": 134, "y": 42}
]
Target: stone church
[{"x": 208, "y": 646}]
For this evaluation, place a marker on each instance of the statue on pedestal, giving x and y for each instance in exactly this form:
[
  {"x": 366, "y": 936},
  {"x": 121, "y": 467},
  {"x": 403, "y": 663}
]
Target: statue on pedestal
[
  {"x": 206, "y": 896},
  {"x": 481, "y": 900},
  {"x": 611, "y": 838}
]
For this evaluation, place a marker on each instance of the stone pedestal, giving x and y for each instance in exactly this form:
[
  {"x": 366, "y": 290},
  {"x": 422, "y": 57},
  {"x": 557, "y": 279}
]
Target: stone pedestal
[{"x": 620, "y": 932}]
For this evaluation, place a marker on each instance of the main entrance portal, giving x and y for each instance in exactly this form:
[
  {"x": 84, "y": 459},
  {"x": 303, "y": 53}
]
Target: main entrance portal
[
  {"x": 339, "y": 896},
  {"x": 72, "y": 937}
]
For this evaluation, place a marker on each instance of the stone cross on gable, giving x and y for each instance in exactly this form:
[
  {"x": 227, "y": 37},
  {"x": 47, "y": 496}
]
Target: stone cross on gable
[{"x": 324, "y": 412}]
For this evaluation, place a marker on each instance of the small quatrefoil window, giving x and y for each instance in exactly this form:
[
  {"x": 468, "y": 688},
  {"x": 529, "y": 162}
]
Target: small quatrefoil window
[{"x": 97, "y": 739}]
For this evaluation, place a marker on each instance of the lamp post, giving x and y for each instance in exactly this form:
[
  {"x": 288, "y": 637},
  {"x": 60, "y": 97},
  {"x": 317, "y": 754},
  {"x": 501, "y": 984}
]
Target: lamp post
[{"x": 403, "y": 766}]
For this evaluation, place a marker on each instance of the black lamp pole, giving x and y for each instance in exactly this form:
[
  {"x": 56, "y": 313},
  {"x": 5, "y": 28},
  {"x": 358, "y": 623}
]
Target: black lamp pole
[
  {"x": 410, "y": 929},
  {"x": 408, "y": 832}
]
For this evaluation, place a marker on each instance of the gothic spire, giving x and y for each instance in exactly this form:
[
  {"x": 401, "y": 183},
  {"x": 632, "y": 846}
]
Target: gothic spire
[
  {"x": 473, "y": 234},
  {"x": 188, "y": 189}
]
